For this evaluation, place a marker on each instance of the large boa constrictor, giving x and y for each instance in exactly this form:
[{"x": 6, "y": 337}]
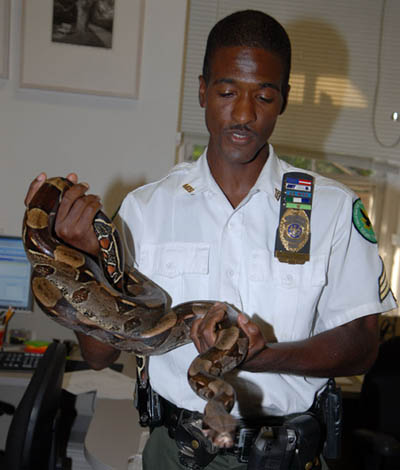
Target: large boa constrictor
[{"x": 126, "y": 309}]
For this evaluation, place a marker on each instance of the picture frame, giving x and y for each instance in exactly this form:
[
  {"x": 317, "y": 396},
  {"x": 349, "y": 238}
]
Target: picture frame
[
  {"x": 5, "y": 37},
  {"x": 79, "y": 68}
]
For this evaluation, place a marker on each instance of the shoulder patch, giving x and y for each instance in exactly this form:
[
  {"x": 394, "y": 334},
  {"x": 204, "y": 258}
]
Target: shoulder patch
[{"x": 362, "y": 223}]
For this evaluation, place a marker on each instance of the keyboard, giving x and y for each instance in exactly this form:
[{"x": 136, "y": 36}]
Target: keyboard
[
  {"x": 25, "y": 361},
  {"x": 18, "y": 360}
]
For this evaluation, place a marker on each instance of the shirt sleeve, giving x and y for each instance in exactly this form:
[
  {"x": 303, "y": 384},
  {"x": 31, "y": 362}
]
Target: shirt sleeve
[
  {"x": 356, "y": 281},
  {"x": 130, "y": 224}
]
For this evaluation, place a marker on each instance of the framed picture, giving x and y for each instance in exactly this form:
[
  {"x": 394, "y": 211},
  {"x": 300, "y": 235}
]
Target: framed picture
[
  {"x": 5, "y": 37},
  {"x": 82, "y": 46}
]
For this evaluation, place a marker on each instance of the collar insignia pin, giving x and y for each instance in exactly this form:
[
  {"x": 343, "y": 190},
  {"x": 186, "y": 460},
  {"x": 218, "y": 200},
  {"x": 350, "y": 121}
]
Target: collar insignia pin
[{"x": 188, "y": 188}]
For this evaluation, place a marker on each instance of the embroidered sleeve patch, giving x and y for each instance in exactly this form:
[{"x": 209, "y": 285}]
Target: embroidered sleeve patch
[
  {"x": 362, "y": 223},
  {"x": 384, "y": 287}
]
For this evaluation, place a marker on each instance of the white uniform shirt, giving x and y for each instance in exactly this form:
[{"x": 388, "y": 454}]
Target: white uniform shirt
[{"x": 190, "y": 241}]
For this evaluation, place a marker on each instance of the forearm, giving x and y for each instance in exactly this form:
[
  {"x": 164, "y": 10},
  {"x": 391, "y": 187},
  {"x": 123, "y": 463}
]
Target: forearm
[
  {"x": 97, "y": 354},
  {"x": 346, "y": 350}
]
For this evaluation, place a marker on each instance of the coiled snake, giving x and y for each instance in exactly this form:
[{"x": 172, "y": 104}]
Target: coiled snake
[{"x": 126, "y": 309}]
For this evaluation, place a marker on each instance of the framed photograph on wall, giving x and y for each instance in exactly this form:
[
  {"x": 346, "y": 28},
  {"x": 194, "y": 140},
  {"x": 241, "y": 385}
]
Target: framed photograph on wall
[
  {"x": 82, "y": 46},
  {"x": 5, "y": 37}
]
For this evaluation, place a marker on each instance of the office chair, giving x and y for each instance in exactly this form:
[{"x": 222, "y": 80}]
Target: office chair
[
  {"x": 378, "y": 437},
  {"x": 36, "y": 438}
]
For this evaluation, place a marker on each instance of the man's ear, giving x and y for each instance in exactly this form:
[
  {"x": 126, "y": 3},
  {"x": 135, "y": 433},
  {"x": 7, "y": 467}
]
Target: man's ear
[
  {"x": 285, "y": 97},
  {"x": 202, "y": 91}
]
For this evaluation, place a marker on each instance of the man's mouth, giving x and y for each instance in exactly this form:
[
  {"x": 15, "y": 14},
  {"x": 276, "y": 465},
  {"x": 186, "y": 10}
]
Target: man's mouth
[{"x": 241, "y": 136}]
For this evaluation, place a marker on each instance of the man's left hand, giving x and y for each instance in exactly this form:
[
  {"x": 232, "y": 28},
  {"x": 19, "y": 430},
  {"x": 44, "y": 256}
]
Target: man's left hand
[{"x": 204, "y": 331}]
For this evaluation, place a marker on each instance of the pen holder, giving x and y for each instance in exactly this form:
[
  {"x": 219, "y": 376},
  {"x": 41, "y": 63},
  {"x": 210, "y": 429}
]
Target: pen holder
[{"x": 4, "y": 320}]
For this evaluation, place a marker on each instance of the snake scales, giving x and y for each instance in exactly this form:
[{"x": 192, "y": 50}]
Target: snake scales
[{"x": 126, "y": 309}]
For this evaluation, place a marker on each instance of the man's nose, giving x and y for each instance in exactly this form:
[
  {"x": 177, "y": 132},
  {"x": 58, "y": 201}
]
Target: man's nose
[{"x": 244, "y": 110}]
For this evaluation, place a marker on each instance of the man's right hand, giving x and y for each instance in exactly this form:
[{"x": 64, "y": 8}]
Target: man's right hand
[
  {"x": 74, "y": 225},
  {"x": 74, "y": 220}
]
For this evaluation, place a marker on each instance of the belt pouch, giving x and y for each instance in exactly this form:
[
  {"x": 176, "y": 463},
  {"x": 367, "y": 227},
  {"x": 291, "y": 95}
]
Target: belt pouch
[
  {"x": 308, "y": 441},
  {"x": 195, "y": 450},
  {"x": 273, "y": 449}
]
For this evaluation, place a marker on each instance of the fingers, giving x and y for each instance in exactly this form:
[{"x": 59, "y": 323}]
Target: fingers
[
  {"x": 39, "y": 180},
  {"x": 34, "y": 186},
  {"x": 71, "y": 196},
  {"x": 253, "y": 332},
  {"x": 194, "y": 334},
  {"x": 73, "y": 177},
  {"x": 74, "y": 222},
  {"x": 204, "y": 330}
]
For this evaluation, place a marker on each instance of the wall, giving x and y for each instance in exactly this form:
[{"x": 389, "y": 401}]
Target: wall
[{"x": 115, "y": 144}]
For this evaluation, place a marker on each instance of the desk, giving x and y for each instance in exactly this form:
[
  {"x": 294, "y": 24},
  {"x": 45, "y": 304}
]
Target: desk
[
  {"x": 351, "y": 386},
  {"x": 114, "y": 435},
  {"x": 106, "y": 429}
]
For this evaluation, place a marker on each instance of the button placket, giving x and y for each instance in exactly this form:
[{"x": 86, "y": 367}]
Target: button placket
[{"x": 231, "y": 258}]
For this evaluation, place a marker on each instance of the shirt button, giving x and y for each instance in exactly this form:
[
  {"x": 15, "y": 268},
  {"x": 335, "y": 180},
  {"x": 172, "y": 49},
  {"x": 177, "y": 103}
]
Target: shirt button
[
  {"x": 288, "y": 280},
  {"x": 230, "y": 273}
]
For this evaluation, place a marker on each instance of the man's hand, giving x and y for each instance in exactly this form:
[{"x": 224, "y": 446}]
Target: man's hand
[
  {"x": 74, "y": 225},
  {"x": 75, "y": 215},
  {"x": 348, "y": 349},
  {"x": 204, "y": 330},
  {"x": 256, "y": 339}
]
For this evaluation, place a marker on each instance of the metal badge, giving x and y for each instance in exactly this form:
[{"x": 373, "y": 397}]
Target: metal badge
[
  {"x": 293, "y": 235},
  {"x": 294, "y": 230}
]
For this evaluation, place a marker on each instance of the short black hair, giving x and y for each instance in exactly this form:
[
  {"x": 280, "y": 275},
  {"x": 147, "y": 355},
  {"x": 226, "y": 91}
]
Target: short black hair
[{"x": 250, "y": 28}]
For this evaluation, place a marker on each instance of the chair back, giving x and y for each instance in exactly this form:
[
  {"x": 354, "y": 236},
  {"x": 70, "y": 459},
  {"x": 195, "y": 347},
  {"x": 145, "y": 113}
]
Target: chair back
[
  {"x": 380, "y": 410},
  {"x": 32, "y": 437}
]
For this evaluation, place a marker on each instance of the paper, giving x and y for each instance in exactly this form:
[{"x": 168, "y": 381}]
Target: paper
[
  {"x": 344, "y": 381},
  {"x": 107, "y": 383}
]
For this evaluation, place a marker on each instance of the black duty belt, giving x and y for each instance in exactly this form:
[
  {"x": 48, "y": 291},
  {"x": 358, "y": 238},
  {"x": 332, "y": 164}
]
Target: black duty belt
[{"x": 246, "y": 431}]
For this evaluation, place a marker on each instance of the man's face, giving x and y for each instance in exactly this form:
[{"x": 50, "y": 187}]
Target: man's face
[{"x": 242, "y": 101}]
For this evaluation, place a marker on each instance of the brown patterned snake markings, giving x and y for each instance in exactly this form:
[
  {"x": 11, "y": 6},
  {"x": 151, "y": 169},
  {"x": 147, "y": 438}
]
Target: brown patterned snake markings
[{"x": 126, "y": 309}]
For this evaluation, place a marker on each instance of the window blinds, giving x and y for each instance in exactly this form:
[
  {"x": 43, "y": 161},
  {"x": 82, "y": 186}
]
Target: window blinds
[{"x": 344, "y": 78}]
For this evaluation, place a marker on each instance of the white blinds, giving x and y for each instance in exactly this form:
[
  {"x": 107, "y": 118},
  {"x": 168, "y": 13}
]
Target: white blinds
[{"x": 345, "y": 71}]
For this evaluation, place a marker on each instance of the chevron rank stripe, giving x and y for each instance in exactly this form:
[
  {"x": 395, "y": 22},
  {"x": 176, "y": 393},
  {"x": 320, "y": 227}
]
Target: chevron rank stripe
[{"x": 384, "y": 287}]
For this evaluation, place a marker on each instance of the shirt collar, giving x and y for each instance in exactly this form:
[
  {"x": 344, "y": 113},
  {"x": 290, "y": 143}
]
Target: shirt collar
[
  {"x": 270, "y": 178},
  {"x": 199, "y": 179}
]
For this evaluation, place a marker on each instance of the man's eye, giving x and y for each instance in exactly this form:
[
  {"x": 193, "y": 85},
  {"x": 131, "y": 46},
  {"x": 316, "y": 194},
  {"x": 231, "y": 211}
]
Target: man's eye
[
  {"x": 225, "y": 94},
  {"x": 266, "y": 99}
]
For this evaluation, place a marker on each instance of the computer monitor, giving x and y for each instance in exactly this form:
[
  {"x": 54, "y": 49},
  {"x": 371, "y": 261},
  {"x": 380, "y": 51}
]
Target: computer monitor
[{"x": 15, "y": 275}]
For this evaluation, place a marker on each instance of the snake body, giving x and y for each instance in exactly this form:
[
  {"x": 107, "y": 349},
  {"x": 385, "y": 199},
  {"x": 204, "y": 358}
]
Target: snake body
[{"x": 125, "y": 308}]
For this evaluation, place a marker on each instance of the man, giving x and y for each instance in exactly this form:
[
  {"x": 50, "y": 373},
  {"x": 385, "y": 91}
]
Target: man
[{"x": 208, "y": 230}]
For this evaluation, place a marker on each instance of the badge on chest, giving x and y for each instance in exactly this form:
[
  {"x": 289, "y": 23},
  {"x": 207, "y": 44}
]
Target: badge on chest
[{"x": 293, "y": 235}]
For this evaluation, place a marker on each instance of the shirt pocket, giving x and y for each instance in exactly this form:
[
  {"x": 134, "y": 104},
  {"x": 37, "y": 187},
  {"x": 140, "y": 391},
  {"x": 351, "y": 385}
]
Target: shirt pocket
[
  {"x": 286, "y": 295},
  {"x": 180, "y": 268}
]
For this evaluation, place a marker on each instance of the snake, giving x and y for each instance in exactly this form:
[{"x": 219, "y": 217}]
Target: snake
[{"x": 104, "y": 299}]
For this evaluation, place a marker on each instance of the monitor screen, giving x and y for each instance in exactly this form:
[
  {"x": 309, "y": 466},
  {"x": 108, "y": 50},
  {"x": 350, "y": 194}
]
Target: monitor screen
[{"x": 15, "y": 274}]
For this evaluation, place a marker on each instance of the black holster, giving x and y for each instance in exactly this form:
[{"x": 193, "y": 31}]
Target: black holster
[{"x": 294, "y": 445}]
